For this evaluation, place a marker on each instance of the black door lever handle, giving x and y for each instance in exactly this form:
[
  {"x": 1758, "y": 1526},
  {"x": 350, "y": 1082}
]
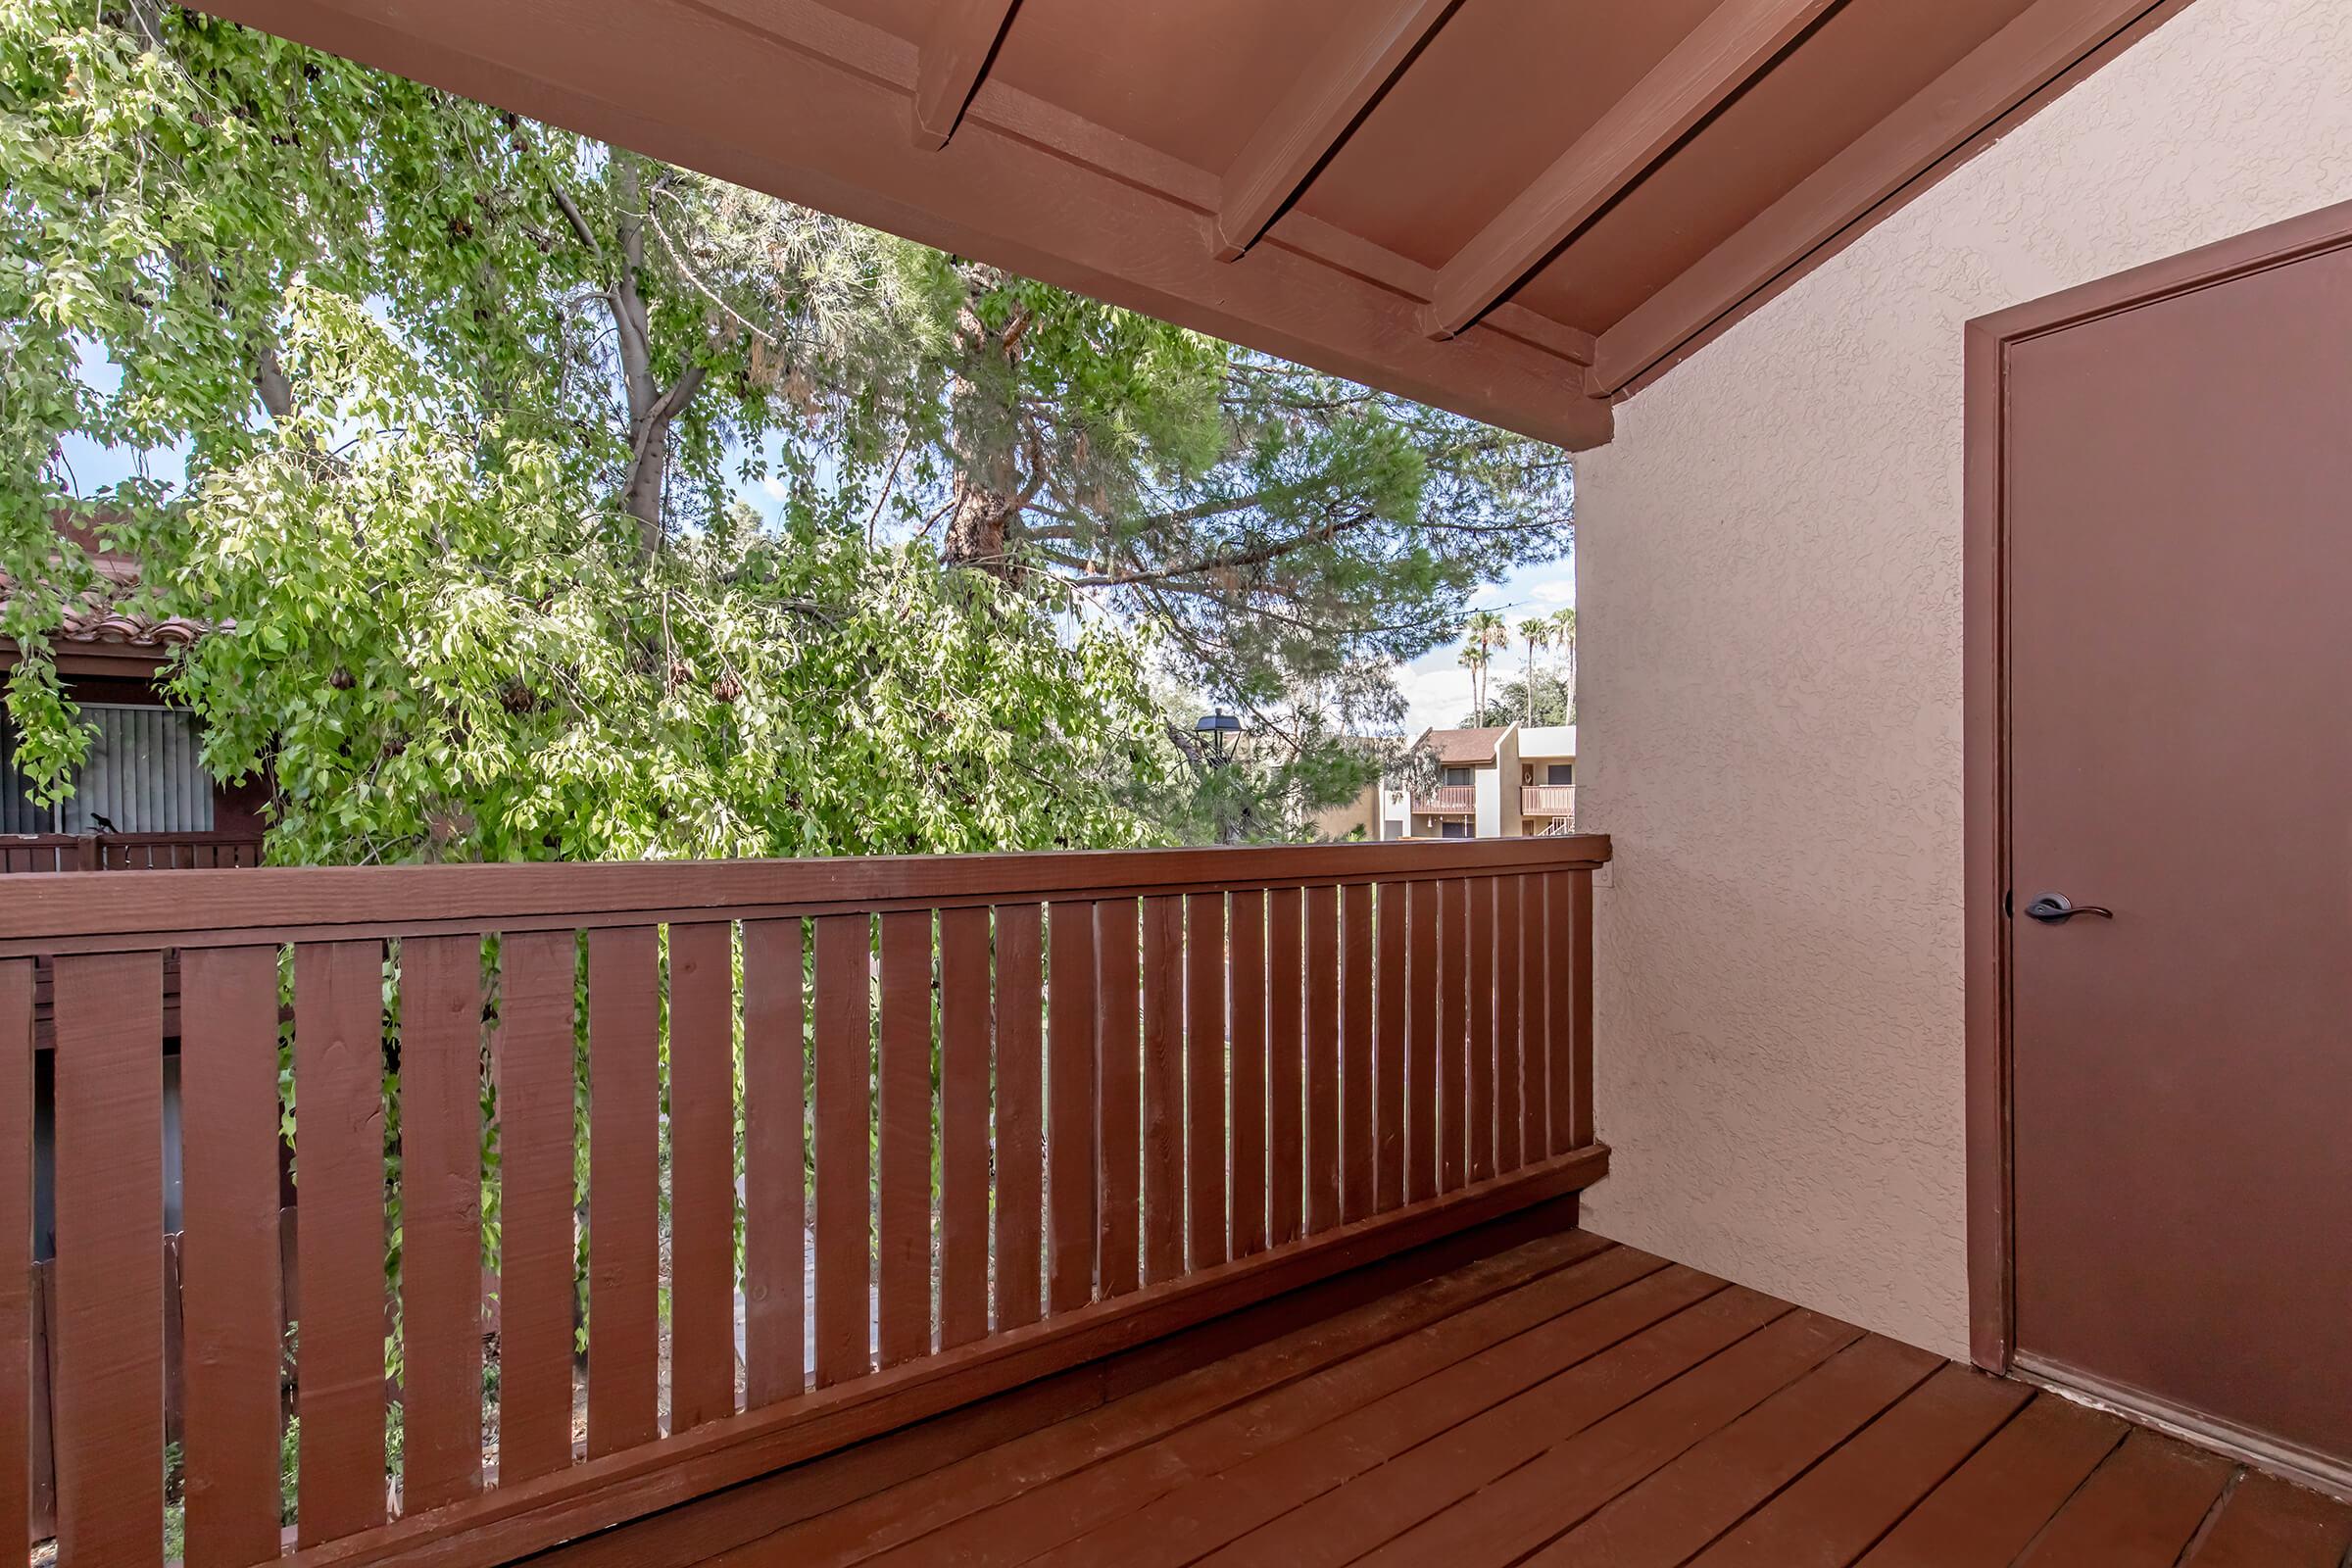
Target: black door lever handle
[{"x": 2056, "y": 908}]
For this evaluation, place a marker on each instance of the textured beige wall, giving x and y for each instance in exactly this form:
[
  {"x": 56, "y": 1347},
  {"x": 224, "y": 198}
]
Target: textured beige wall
[{"x": 1769, "y": 569}]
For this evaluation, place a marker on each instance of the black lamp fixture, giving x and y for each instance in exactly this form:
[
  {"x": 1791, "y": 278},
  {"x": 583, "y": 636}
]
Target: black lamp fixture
[{"x": 1221, "y": 730}]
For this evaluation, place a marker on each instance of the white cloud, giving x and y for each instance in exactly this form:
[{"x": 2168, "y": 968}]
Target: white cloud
[{"x": 776, "y": 488}]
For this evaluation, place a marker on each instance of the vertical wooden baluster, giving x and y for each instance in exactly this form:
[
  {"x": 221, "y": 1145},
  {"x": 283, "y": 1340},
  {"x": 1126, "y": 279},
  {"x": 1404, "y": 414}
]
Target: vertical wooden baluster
[
  {"x": 440, "y": 1219},
  {"x": 1509, "y": 1065},
  {"x": 1247, "y": 984},
  {"x": 223, "y": 1452},
  {"x": 1357, "y": 1128},
  {"x": 624, "y": 1175},
  {"x": 775, "y": 1173},
  {"x": 1120, "y": 1096},
  {"x": 229, "y": 1263},
  {"x": 1322, "y": 1058},
  {"x": 339, "y": 1229},
  {"x": 1286, "y": 1047},
  {"x": 1453, "y": 1033},
  {"x": 535, "y": 1134},
  {"x": 1205, "y": 1089},
  {"x": 1070, "y": 1108},
  {"x": 1579, "y": 1009},
  {"x": 1534, "y": 1135},
  {"x": 964, "y": 1051},
  {"x": 1479, "y": 952},
  {"x": 1559, "y": 982},
  {"x": 903, "y": 1094},
  {"x": 1163, "y": 1087},
  {"x": 1020, "y": 1115},
  {"x": 1423, "y": 1056},
  {"x": 844, "y": 1058},
  {"x": 702, "y": 1173},
  {"x": 1389, "y": 1044}
]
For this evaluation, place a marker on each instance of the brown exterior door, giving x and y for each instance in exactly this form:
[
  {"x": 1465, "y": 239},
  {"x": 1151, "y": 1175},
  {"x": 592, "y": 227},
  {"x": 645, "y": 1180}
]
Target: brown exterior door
[{"x": 2178, "y": 518}]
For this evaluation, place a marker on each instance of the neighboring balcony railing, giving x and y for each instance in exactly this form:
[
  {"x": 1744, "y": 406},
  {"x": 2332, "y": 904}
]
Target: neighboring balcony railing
[
  {"x": 1547, "y": 799},
  {"x": 1170, "y": 1083},
  {"x": 1445, "y": 798},
  {"x": 127, "y": 852}
]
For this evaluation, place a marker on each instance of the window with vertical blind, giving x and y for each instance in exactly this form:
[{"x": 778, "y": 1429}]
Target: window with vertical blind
[{"x": 142, "y": 775}]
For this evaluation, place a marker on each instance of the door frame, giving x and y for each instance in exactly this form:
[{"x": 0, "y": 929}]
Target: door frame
[{"x": 1986, "y": 772}]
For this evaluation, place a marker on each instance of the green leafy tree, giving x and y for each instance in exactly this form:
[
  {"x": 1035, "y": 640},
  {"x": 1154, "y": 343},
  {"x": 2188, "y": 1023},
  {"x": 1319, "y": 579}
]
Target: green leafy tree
[
  {"x": 463, "y": 408},
  {"x": 1540, "y": 699}
]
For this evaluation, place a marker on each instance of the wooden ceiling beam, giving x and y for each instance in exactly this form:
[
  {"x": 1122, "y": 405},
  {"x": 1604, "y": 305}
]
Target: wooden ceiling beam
[
  {"x": 1354, "y": 68},
  {"x": 953, "y": 58},
  {"x": 2040, "y": 50},
  {"x": 1724, "y": 53}
]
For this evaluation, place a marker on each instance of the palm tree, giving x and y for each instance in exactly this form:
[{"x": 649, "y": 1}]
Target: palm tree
[
  {"x": 1536, "y": 633},
  {"x": 1483, "y": 635},
  {"x": 1563, "y": 637}
]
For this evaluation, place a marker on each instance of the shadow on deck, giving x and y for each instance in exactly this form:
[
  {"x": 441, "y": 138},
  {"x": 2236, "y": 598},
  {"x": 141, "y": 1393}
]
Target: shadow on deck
[{"x": 1525, "y": 1392}]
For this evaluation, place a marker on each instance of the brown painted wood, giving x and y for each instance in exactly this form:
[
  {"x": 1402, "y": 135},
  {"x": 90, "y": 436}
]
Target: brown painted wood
[
  {"x": 535, "y": 1126},
  {"x": 2266, "y": 1523},
  {"x": 1578, "y": 1044},
  {"x": 17, "y": 1347},
  {"x": 2139, "y": 1509},
  {"x": 440, "y": 1217},
  {"x": 1292, "y": 141},
  {"x": 903, "y": 1153},
  {"x": 506, "y": 1523},
  {"x": 1168, "y": 1502},
  {"x": 339, "y": 1219},
  {"x": 1737, "y": 39},
  {"x": 1485, "y": 1069},
  {"x": 2098, "y": 1262},
  {"x": 64, "y": 914},
  {"x": 965, "y": 1011},
  {"x": 1020, "y": 1115},
  {"x": 1070, "y": 1153},
  {"x": 1535, "y": 1021},
  {"x": 1163, "y": 1088},
  {"x": 1286, "y": 1065},
  {"x": 1421, "y": 1071},
  {"x": 1673, "y": 1513},
  {"x": 1569, "y": 1481},
  {"x": 1510, "y": 1071},
  {"x": 702, "y": 1173},
  {"x": 955, "y": 53},
  {"x": 1994, "y": 1506},
  {"x": 1322, "y": 1104},
  {"x": 1388, "y": 1051},
  {"x": 842, "y": 1265},
  {"x": 1312, "y": 1331},
  {"x": 775, "y": 1178},
  {"x": 1206, "y": 1114},
  {"x": 230, "y": 1269},
  {"x": 1834, "y": 1512},
  {"x": 1247, "y": 1173},
  {"x": 1639, "y": 1340},
  {"x": 1119, "y": 1088},
  {"x": 1453, "y": 1033},
  {"x": 1356, "y": 1119},
  {"x": 624, "y": 1160}
]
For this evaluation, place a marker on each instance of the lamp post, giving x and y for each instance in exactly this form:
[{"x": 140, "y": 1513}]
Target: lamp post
[{"x": 1220, "y": 731}]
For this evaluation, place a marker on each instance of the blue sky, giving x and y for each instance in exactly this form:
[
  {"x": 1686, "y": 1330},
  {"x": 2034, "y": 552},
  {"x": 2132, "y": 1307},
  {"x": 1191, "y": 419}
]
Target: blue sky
[{"x": 1437, "y": 689}]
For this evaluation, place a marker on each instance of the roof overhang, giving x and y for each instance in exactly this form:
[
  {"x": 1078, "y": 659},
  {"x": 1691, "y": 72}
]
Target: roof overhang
[{"x": 1520, "y": 210}]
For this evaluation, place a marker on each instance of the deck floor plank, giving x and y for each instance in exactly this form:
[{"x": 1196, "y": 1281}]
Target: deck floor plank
[
  {"x": 1529, "y": 1398},
  {"x": 1023, "y": 1527}
]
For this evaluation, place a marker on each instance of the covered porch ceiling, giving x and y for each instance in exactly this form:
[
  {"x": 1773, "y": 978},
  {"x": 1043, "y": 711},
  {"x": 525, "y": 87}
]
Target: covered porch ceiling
[{"x": 1519, "y": 210}]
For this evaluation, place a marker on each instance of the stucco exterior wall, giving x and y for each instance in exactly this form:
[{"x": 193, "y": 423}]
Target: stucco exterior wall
[{"x": 1770, "y": 627}]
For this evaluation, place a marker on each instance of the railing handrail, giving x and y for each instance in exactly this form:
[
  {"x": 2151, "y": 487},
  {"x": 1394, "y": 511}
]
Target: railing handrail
[
  {"x": 57, "y": 913},
  {"x": 1546, "y": 794},
  {"x": 1445, "y": 798}
]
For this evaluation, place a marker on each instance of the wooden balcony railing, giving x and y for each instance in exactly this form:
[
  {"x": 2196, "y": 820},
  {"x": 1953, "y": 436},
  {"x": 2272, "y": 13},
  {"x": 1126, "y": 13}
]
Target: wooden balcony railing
[
  {"x": 1450, "y": 798},
  {"x": 127, "y": 852},
  {"x": 1546, "y": 800},
  {"x": 1169, "y": 1084}
]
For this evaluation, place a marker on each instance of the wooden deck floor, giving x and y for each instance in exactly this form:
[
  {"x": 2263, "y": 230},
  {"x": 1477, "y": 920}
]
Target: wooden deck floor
[{"x": 1562, "y": 1402}]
